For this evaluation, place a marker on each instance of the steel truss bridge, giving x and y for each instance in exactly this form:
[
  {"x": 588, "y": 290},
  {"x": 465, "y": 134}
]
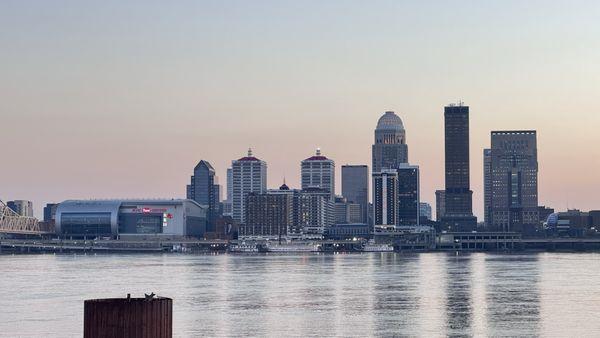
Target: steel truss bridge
[{"x": 13, "y": 223}]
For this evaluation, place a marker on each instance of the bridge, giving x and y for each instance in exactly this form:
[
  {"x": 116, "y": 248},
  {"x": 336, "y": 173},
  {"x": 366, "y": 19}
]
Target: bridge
[{"x": 14, "y": 224}]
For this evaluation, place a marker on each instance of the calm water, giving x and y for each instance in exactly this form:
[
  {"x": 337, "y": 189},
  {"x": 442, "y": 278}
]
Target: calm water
[{"x": 432, "y": 294}]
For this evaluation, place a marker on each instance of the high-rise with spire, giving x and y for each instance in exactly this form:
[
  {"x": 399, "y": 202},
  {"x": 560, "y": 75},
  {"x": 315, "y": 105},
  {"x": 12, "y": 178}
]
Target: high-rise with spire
[{"x": 318, "y": 171}]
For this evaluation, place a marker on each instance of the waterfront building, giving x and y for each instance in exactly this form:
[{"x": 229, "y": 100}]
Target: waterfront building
[
  {"x": 249, "y": 174},
  {"x": 50, "y": 212},
  {"x": 458, "y": 214},
  {"x": 347, "y": 212},
  {"x": 513, "y": 203},
  {"x": 318, "y": 172},
  {"x": 385, "y": 198},
  {"x": 227, "y": 203},
  {"x": 440, "y": 204},
  {"x": 390, "y": 148},
  {"x": 487, "y": 187},
  {"x": 202, "y": 189},
  {"x": 425, "y": 211},
  {"x": 315, "y": 212},
  {"x": 355, "y": 188},
  {"x": 92, "y": 218},
  {"x": 268, "y": 216},
  {"x": 408, "y": 195},
  {"x": 348, "y": 231}
]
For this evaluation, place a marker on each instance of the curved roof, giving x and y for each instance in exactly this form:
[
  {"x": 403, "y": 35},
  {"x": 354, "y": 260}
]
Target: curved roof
[{"x": 390, "y": 121}]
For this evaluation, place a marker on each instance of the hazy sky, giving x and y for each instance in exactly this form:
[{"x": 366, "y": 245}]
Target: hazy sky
[{"x": 122, "y": 98}]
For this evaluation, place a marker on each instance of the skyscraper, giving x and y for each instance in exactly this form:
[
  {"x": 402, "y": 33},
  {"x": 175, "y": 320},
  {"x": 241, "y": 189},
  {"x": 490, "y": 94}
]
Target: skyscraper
[
  {"x": 385, "y": 198},
  {"x": 487, "y": 186},
  {"x": 514, "y": 180},
  {"x": 318, "y": 172},
  {"x": 355, "y": 187},
  {"x": 202, "y": 190},
  {"x": 249, "y": 175},
  {"x": 425, "y": 211},
  {"x": 459, "y": 197},
  {"x": 390, "y": 147},
  {"x": 408, "y": 195}
]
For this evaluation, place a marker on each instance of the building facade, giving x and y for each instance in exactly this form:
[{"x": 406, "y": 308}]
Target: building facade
[
  {"x": 385, "y": 198},
  {"x": 318, "y": 172},
  {"x": 458, "y": 215},
  {"x": 425, "y": 211},
  {"x": 440, "y": 204},
  {"x": 390, "y": 148},
  {"x": 249, "y": 175},
  {"x": 487, "y": 187},
  {"x": 355, "y": 188},
  {"x": 21, "y": 207},
  {"x": 347, "y": 212},
  {"x": 408, "y": 195},
  {"x": 514, "y": 180},
  {"x": 268, "y": 216},
  {"x": 50, "y": 212},
  {"x": 80, "y": 218},
  {"x": 204, "y": 191}
]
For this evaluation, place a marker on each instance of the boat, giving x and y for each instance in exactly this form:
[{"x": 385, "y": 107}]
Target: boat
[{"x": 371, "y": 246}]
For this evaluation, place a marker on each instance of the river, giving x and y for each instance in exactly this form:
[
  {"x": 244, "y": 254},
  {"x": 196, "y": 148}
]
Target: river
[{"x": 314, "y": 295}]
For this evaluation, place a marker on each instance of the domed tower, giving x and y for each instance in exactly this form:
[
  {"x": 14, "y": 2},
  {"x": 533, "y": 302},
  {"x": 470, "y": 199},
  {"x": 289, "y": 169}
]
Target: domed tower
[{"x": 390, "y": 149}]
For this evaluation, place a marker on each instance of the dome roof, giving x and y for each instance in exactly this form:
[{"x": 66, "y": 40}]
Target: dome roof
[{"x": 390, "y": 121}]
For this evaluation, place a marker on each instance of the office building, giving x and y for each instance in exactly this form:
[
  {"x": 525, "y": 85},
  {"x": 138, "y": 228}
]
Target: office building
[
  {"x": 50, "y": 212},
  {"x": 408, "y": 195},
  {"x": 346, "y": 212},
  {"x": 355, "y": 188},
  {"x": 389, "y": 149},
  {"x": 440, "y": 204},
  {"x": 268, "y": 216},
  {"x": 385, "y": 198},
  {"x": 249, "y": 175},
  {"x": 203, "y": 190},
  {"x": 425, "y": 211},
  {"x": 487, "y": 187},
  {"x": 459, "y": 197},
  {"x": 318, "y": 172},
  {"x": 21, "y": 207},
  {"x": 92, "y": 218},
  {"x": 227, "y": 203},
  {"x": 514, "y": 180}
]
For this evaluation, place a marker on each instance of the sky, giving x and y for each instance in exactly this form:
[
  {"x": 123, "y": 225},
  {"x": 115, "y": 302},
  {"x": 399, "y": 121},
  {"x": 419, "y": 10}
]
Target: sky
[{"x": 114, "y": 99}]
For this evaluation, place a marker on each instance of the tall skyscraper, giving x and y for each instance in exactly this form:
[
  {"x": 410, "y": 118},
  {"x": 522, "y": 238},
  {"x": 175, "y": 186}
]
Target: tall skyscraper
[
  {"x": 229, "y": 196},
  {"x": 408, "y": 195},
  {"x": 390, "y": 147},
  {"x": 249, "y": 175},
  {"x": 355, "y": 187},
  {"x": 459, "y": 197},
  {"x": 318, "y": 172},
  {"x": 514, "y": 180},
  {"x": 487, "y": 186},
  {"x": 385, "y": 198},
  {"x": 202, "y": 190}
]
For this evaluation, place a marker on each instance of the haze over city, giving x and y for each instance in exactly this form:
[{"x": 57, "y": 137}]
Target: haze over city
[{"x": 114, "y": 99}]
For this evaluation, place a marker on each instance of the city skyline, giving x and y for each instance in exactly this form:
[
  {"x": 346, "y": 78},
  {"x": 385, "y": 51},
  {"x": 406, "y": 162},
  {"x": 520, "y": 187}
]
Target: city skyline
[{"x": 97, "y": 110}]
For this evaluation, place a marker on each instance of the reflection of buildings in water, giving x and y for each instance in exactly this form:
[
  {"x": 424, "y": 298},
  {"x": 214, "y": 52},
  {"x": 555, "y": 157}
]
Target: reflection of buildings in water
[
  {"x": 513, "y": 298},
  {"x": 458, "y": 295},
  {"x": 396, "y": 295}
]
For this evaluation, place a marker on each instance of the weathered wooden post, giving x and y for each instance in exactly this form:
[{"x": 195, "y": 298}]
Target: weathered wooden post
[{"x": 128, "y": 317}]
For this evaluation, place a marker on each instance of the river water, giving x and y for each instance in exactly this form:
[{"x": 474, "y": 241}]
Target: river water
[{"x": 346, "y": 295}]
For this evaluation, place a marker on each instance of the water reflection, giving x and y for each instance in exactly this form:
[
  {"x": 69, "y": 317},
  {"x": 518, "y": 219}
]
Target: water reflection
[
  {"x": 513, "y": 297},
  {"x": 458, "y": 295}
]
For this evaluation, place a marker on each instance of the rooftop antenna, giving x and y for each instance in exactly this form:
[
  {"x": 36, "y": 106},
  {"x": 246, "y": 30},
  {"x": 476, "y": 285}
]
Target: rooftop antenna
[
  {"x": 249, "y": 152},
  {"x": 318, "y": 151}
]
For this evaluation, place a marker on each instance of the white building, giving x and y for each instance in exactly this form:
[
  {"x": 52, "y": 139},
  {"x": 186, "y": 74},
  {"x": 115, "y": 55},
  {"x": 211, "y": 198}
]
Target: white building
[
  {"x": 249, "y": 174},
  {"x": 319, "y": 172}
]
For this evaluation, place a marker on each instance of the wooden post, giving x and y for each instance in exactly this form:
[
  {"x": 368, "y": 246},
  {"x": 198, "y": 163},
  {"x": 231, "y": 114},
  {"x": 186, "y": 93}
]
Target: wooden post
[{"x": 128, "y": 317}]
